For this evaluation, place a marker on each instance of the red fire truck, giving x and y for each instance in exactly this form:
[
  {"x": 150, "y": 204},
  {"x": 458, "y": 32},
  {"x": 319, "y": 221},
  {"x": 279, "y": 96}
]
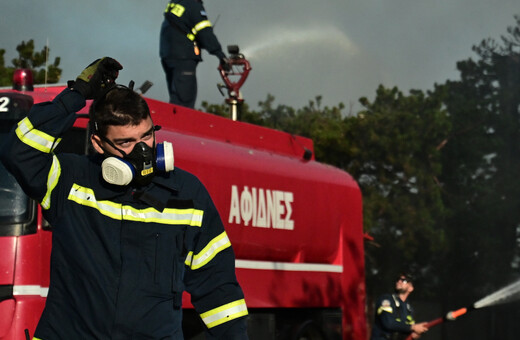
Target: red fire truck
[{"x": 295, "y": 224}]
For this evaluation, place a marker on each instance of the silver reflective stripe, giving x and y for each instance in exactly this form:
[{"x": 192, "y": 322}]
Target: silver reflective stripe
[
  {"x": 211, "y": 250},
  {"x": 52, "y": 181},
  {"x": 289, "y": 266},
  {"x": 117, "y": 211},
  {"x": 30, "y": 290},
  {"x": 36, "y": 139},
  {"x": 225, "y": 313}
]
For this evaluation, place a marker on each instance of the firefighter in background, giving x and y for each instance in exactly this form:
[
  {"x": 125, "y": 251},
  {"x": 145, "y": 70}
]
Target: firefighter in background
[
  {"x": 184, "y": 31},
  {"x": 394, "y": 315},
  {"x": 129, "y": 232}
]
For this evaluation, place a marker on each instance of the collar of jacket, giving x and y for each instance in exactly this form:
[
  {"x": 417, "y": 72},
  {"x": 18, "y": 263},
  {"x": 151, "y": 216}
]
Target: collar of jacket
[{"x": 159, "y": 192}]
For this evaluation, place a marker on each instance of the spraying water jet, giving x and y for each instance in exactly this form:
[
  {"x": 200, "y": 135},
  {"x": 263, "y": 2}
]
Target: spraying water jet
[{"x": 507, "y": 294}]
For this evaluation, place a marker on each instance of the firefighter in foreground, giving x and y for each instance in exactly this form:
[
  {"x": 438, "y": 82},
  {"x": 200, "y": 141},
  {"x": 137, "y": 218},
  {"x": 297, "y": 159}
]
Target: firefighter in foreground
[
  {"x": 125, "y": 246},
  {"x": 394, "y": 316},
  {"x": 184, "y": 31}
]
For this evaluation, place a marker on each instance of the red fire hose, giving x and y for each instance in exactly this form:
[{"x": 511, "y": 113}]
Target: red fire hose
[{"x": 450, "y": 316}]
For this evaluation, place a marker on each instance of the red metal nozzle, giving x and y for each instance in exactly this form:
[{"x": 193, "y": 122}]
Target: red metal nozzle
[
  {"x": 455, "y": 314},
  {"x": 240, "y": 69},
  {"x": 450, "y": 316}
]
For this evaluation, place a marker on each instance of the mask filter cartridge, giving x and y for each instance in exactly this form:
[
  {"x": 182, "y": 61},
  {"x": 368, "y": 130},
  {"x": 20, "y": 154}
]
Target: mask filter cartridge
[
  {"x": 119, "y": 171},
  {"x": 164, "y": 159}
]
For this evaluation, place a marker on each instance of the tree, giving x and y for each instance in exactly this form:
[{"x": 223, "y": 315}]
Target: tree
[
  {"x": 35, "y": 61},
  {"x": 394, "y": 155},
  {"x": 481, "y": 162}
]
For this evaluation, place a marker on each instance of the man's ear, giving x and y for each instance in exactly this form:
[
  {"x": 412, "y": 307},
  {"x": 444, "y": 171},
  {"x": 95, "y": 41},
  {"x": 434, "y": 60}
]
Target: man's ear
[{"x": 96, "y": 143}]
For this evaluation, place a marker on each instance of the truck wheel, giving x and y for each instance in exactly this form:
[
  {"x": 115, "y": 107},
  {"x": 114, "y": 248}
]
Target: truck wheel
[{"x": 309, "y": 330}]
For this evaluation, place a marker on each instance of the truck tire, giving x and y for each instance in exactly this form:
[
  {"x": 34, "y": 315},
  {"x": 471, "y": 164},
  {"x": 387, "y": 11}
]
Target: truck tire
[{"x": 309, "y": 330}]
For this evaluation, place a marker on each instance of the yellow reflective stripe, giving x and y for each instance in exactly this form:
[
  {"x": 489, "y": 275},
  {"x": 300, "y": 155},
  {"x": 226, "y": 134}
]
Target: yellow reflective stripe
[
  {"x": 52, "y": 181},
  {"x": 198, "y": 27},
  {"x": 201, "y": 25},
  {"x": 175, "y": 9},
  {"x": 86, "y": 197},
  {"x": 36, "y": 139},
  {"x": 384, "y": 309},
  {"x": 214, "y": 247},
  {"x": 225, "y": 313},
  {"x": 117, "y": 211},
  {"x": 191, "y": 217}
]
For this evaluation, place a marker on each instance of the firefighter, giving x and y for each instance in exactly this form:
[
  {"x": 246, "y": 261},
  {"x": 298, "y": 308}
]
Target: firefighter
[
  {"x": 130, "y": 232},
  {"x": 184, "y": 31},
  {"x": 394, "y": 315}
]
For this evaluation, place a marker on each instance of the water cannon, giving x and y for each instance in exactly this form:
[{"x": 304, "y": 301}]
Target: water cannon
[
  {"x": 234, "y": 78},
  {"x": 23, "y": 80},
  {"x": 234, "y": 52}
]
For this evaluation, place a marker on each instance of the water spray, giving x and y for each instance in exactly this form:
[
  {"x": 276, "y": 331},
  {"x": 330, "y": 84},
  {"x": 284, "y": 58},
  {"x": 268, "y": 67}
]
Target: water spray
[
  {"x": 504, "y": 295},
  {"x": 507, "y": 294}
]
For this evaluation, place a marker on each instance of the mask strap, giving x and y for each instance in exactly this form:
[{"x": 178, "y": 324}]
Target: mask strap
[{"x": 109, "y": 142}]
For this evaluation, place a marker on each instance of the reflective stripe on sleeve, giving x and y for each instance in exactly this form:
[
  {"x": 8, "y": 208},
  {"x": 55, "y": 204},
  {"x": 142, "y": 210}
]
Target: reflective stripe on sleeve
[
  {"x": 52, "y": 181},
  {"x": 214, "y": 247},
  {"x": 198, "y": 27},
  {"x": 225, "y": 313},
  {"x": 117, "y": 211},
  {"x": 36, "y": 139},
  {"x": 384, "y": 309},
  {"x": 201, "y": 25}
]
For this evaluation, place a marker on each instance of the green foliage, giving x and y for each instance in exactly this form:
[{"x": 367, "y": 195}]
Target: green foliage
[
  {"x": 395, "y": 157},
  {"x": 481, "y": 160},
  {"x": 31, "y": 59}
]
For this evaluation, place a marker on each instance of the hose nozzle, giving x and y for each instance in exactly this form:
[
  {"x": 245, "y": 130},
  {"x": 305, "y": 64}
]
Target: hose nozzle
[{"x": 455, "y": 314}]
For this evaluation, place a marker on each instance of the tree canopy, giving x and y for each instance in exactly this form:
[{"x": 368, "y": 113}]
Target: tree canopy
[
  {"x": 37, "y": 62},
  {"x": 481, "y": 162}
]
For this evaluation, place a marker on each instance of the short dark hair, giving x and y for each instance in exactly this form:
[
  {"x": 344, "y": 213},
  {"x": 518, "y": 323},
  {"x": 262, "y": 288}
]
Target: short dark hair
[
  {"x": 407, "y": 276},
  {"x": 120, "y": 106}
]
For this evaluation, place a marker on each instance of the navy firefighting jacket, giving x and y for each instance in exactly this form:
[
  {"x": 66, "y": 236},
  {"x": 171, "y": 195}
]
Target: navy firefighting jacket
[
  {"x": 122, "y": 256},
  {"x": 185, "y": 30},
  {"x": 393, "y": 318}
]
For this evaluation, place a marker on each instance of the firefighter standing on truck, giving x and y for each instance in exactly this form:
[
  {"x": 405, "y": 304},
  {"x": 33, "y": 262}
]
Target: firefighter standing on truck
[
  {"x": 394, "y": 316},
  {"x": 129, "y": 232},
  {"x": 184, "y": 31}
]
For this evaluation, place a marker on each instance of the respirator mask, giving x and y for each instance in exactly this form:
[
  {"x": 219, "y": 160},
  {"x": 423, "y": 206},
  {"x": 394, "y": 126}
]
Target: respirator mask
[
  {"x": 141, "y": 164},
  {"x": 138, "y": 166}
]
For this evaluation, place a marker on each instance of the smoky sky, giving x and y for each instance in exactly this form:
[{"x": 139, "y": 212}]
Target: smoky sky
[{"x": 298, "y": 49}]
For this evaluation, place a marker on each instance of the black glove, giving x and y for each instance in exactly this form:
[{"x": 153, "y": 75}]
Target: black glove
[
  {"x": 225, "y": 64},
  {"x": 97, "y": 77}
]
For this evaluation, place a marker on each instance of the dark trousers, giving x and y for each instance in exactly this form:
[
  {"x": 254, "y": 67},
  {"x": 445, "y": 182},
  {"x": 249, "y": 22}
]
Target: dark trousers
[{"x": 181, "y": 80}]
